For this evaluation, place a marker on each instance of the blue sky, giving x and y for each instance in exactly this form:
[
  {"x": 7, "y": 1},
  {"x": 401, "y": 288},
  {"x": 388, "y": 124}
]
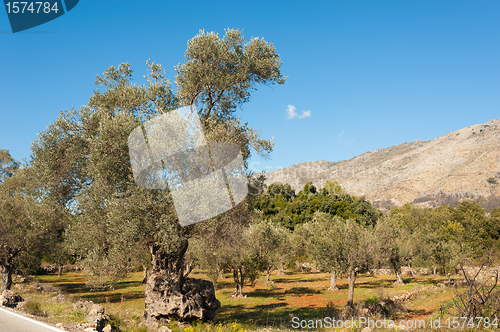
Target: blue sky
[{"x": 363, "y": 75}]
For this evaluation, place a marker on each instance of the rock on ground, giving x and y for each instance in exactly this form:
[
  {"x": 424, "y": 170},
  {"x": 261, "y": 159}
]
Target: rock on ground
[
  {"x": 164, "y": 329},
  {"x": 195, "y": 300},
  {"x": 98, "y": 316},
  {"x": 9, "y": 298},
  {"x": 108, "y": 328},
  {"x": 83, "y": 305}
]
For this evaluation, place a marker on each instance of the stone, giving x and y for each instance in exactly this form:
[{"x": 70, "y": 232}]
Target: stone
[
  {"x": 10, "y": 298},
  {"x": 58, "y": 298},
  {"x": 97, "y": 315},
  {"x": 108, "y": 328},
  {"x": 193, "y": 300},
  {"x": 164, "y": 329},
  {"x": 86, "y": 326},
  {"x": 62, "y": 326},
  {"x": 83, "y": 305}
]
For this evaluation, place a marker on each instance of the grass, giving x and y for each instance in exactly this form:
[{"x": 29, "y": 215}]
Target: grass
[{"x": 297, "y": 294}]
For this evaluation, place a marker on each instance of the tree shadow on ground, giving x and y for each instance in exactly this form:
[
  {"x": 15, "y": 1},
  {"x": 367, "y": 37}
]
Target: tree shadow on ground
[
  {"x": 277, "y": 315},
  {"x": 121, "y": 290},
  {"x": 381, "y": 283},
  {"x": 113, "y": 297},
  {"x": 270, "y": 306},
  {"x": 282, "y": 280},
  {"x": 302, "y": 291},
  {"x": 433, "y": 279},
  {"x": 261, "y": 292}
]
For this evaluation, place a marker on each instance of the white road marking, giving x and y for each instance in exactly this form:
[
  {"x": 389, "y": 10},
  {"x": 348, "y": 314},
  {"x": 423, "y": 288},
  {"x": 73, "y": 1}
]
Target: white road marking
[{"x": 32, "y": 320}]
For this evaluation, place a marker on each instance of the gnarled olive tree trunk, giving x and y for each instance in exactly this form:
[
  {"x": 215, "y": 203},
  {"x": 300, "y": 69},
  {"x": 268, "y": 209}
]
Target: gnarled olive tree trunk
[
  {"x": 268, "y": 274},
  {"x": 239, "y": 275},
  {"x": 220, "y": 274},
  {"x": 399, "y": 277},
  {"x": 6, "y": 271},
  {"x": 333, "y": 281},
  {"x": 144, "y": 273},
  {"x": 169, "y": 294}
]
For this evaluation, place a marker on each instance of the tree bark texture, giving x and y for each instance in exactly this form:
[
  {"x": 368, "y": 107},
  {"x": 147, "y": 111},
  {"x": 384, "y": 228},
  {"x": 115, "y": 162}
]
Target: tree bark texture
[
  {"x": 399, "y": 277},
  {"x": 239, "y": 279},
  {"x": 220, "y": 275},
  {"x": 351, "y": 280},
  {"x": 333, "y": 281},
  {"x": 144, "y": 273},
  {"x": 6, "y": 271},
  {"x": 169, "y": 294},
  {"x": 59, "y": 270}
]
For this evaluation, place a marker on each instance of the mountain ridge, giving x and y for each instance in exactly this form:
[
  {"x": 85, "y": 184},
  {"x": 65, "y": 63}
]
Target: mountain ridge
[{"x": 463, "y": 164}]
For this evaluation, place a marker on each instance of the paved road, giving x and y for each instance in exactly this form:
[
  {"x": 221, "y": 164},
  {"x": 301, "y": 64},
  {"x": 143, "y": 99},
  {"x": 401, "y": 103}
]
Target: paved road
[{"x": 14, "y": 322}]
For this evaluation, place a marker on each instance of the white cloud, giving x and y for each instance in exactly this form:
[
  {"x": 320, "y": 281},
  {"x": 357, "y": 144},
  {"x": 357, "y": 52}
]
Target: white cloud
[
  {"x": 291, "y": 111},
  {"x": 305, "y": 114}
]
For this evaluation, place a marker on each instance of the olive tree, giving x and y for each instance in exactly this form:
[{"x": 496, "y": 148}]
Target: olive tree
[
  {"x": 224, "y": 244},
  {"x": 342, "y": 246},
  {"x": 315, "y": 240},
  {"x": 269, "y": 245},
  {"x": 83, "y": 159},
  {"x": 355, "y": 252},
  {"x": 391, "y": 246},
  {"x": 27, "y": 225}
]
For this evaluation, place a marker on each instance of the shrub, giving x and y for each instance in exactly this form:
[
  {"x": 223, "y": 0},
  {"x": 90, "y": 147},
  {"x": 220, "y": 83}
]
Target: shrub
[
  {"x": 32, "y": 307},
  {"x": 372, "y": 300}
]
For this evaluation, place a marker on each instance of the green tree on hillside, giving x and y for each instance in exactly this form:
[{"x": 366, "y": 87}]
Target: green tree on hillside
[{"x": 280, "y": 204}]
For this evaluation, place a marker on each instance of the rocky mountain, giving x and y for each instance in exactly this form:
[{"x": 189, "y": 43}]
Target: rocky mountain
[{"x": 464, "y": 164}]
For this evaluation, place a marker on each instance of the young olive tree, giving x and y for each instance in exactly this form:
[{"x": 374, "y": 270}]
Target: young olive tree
[
  {"x": 224, "y": 244},
  {"x": 344, "y": 246},
  {"x": 83, "y": 160},
  {"x": 390, "y": 246},
  {"x": 269, "y": 245},
  {"x": 355, "y": 252},
  {"x": 315, "y": 240}
]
